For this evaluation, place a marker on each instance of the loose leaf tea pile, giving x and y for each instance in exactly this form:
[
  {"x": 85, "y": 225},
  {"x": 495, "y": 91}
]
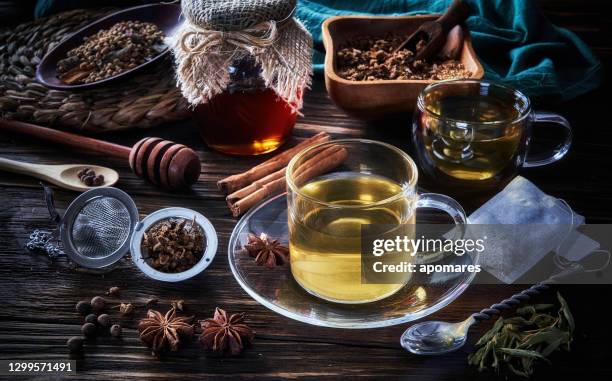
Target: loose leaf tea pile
[
  {"x": 173, "y": 245},
  {"x": 370, "y": 58},
  {"x": 517, "y": 343}
]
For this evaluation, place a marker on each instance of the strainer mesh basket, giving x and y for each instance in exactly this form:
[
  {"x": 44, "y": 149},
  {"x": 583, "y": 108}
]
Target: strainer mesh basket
[{"x": 101, "y": 227}]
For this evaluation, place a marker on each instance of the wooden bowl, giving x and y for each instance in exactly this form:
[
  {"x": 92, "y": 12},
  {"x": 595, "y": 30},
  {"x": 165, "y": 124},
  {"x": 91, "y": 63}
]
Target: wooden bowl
[
  {"x": 167, "y": 17},
  {"x": 379, "y": 98}
]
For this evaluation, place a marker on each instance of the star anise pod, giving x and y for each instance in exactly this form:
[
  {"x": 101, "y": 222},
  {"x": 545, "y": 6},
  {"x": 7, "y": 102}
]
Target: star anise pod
[
  {"x": 160, "y": 332},
  {"x": 267, "y": 252},
  {"x": 222, "y": 333}
]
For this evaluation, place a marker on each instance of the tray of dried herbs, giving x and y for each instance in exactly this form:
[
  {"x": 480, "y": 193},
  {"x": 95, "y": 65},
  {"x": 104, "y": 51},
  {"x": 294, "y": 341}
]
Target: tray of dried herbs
[
  {"x": 110, "y": 47},
  {"x": 369, "y": 58},
  {"x": 110, "y": 52},
  {"x": 516, "y": 344}
]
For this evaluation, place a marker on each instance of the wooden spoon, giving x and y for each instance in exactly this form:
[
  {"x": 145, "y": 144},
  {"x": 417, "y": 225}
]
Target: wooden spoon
[
  {"x": 430, "y": 37},
  {"x": 173, "y": 166},
  {"x": 64, "y": 176}
]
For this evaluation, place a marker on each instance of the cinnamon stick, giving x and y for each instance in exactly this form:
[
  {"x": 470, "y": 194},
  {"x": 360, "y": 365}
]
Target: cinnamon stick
[
  {"x": 253, "y": 187},
  {"x": 233, "y": 183},
  {"x": 325, "y": 160},
  {"x": 244, "y": 192}
]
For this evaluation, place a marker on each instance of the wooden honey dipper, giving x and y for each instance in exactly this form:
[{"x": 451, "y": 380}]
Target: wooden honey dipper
[{"x": 162, "y": 162}]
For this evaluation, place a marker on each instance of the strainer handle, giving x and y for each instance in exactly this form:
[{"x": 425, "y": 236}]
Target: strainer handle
[{"x": 50, "y": 201}]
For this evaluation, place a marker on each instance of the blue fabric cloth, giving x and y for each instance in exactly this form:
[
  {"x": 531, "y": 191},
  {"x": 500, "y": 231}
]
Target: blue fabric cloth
[{"x": 515, "y": 42}]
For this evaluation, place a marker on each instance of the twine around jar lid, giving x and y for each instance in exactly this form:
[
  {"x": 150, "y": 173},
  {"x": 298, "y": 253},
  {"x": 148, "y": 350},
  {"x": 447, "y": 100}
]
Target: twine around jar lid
[{"x": 218, "y": 32}]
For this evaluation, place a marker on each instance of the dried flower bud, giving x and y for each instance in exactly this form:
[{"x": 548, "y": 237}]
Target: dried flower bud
[
  {"x": 91, "y": 318},
  {"x": 126, "y": 308},
  {"x": 173, "y": 245},
  {"x": 178, "y": 305}
]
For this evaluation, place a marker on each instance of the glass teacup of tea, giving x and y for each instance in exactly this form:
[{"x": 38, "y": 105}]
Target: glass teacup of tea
[
  {"x": 375, "y": 185},
  {"x": 471, "y": 132}
]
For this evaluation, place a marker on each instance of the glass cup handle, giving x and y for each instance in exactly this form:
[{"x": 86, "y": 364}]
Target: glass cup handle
[
  {"x": 443, "y": 203},
  {"x": 448, "y": 205},
  {"x": 560, "y": 151}
]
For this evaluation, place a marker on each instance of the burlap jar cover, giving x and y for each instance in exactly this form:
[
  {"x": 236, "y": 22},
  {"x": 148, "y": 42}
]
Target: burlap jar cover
[{"x": 217, "y": 33}]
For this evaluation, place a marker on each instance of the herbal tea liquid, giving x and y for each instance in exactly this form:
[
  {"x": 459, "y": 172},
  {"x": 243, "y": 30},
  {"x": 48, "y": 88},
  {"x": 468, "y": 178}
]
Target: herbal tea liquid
[
  {"x": 325, "y": 242},
  {"x": 478, "y": 152}
]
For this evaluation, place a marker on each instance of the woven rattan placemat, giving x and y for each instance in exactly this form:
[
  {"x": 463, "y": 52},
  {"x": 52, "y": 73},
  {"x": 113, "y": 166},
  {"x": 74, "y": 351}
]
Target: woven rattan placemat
[{"x": 144, "y": 100}]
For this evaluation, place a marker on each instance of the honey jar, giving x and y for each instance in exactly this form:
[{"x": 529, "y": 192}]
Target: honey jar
[
  {"x": 248, "y": 118},
  {"x": 243, "y": 67}
]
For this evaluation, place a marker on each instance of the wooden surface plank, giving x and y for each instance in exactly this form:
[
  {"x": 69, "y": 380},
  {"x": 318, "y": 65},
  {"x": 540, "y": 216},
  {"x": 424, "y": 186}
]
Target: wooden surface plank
[{"x": 38, "y": 295}]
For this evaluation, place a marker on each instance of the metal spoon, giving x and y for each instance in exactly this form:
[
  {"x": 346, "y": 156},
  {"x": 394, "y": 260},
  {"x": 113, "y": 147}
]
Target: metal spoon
[
  {"x": 436, "y": 337},
  {"x": 65, "y": 176}
]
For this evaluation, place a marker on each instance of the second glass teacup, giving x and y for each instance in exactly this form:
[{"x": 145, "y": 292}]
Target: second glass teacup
[
  {"x": 477, "y": 133},
  {"x": 376, "y": 184}
]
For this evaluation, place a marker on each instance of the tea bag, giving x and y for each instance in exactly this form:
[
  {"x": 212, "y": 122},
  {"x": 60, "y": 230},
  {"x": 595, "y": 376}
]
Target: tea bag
[{"x": 539, "y": 224}]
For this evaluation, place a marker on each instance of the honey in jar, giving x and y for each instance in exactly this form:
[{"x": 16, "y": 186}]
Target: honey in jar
[{"x": 247, "y": 118}]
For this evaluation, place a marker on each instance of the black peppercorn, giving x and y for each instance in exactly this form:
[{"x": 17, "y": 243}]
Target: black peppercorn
[
  {"x": 83, "y": 307},
  {"x": 91, "y": 318},
  {"x": 88, "y": 177},
  {"x": 89, "y": 329},
  {"x": 98, "y": 180},
  {"x": 115, "y": 330},
  {"x": 113, "y": 291},
  {"x": 88, "y": 180},
  {"x": 75, "y": 344},
  {"x": 98, "y": 303},
  {"x": 104, "y": 320}
]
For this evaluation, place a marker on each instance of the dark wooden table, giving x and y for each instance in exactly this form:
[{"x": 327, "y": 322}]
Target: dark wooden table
[{"x": 37, "y": 295}]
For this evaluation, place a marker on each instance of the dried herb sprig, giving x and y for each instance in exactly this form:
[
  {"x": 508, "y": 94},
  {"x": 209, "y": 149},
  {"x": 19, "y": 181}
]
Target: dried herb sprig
[{"x": 517, "y": 343}]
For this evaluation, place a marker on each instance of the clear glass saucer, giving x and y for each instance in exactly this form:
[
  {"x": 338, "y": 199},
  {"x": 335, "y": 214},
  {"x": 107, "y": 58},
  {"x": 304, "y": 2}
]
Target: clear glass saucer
[{"x": 277, "y": 290}]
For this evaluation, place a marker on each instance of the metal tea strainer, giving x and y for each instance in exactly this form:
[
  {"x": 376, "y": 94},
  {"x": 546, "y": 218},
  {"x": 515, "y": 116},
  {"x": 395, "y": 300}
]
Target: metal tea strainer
[{"x": 101, "y": 225}]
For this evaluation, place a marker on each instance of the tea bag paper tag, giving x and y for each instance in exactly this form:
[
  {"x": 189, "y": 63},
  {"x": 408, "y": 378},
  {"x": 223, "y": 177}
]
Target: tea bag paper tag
[{"x": 523, "y": 204}]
